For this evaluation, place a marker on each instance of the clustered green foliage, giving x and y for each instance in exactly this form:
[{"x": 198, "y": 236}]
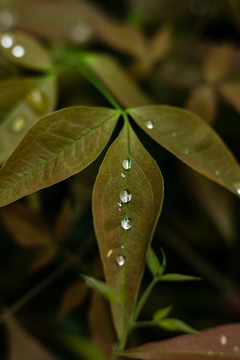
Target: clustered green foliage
[{"x": 82, "y": 88}]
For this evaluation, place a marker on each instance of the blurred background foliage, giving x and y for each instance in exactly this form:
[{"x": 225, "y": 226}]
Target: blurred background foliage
[{"x": 182, "y": 53}]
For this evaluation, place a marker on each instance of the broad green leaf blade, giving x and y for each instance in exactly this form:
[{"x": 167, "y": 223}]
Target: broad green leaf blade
[
  {"x": 115, "y": 79},
  {"x": 127, "y": 200},
  {"x": 162, "y": 313},
  {"x": 22, "y": 102},
  {"x": 177, "y": 277},
  {"x": 231, "y": 93},
  {"x": 23, "y": 345},
  {"x": 153, "y": 262},
  {"x": 100, "y": 286},
  {"x": 203, "y": 102},
  {"x": 222, "y": 342},
  {"x": 173, "y": 324},
  {"x": 193, "y": 141},
  {"x": 56, "y": 147},
  {"x": 23, "y": 50}
]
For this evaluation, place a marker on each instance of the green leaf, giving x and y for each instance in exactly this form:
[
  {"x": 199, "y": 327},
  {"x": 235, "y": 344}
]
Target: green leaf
[
  {"x": 22, "y": 102},
  {"x": 178, "y": 277},
  {"x": 23, "y": 50},
  {"x": 153, "y": 262},
  {"x": 123, "y": 252},
  {"x": 217, "y": 343},
  {"x": 115, "y": 79},
  {"x": 162, "y": 313},
  {"x": 192, "y": 141},
  {"x": 101, "y": 287},
  {"x": 22, "y": 345},
  {"x": 173, "y": 324},
  {"x": 56, "y": 147}
]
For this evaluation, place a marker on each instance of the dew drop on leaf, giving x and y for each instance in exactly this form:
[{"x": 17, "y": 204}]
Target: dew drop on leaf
[
  {"x": 6, "y": 41},
  {"x": 18, "y": 124},
  {"x": 123, "y": 175},
  {"x": 149, "y": 124},
  {"x": 126, "y": 164},
  {"x": 126, "y": 223},
  {"x": 237, "y": 187},
  {"x": 125, "y": 196},
  {"x": 174, "y": 134},
  {"x": 120, "y": 260},
  {"x": 217, "y": 172},
  {"x": 186, "y": 151},
  {"x": 223, "y": 340},
  {"x": 38, "y": 100},
  {"x": 120, "y": 203},
  {"x": 18, "y": 51}
]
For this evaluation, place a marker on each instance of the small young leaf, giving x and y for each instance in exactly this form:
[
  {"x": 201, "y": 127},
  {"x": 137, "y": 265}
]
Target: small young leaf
[
  {"x": 202, "y": 101},
  {"x": 22, "y": 345},
  {"x": 22, "y": 102},
  {"x": 192, "y": 141},
  {"x": 100, "y": 286},
  {"x": 162, "y": 313},
  {"x": 177, "y": 277},
  {"x": 115, "y": 79},
  {"x": 127, "y": 200},
  {"x": 153, "y": 262},
  {"x": 222, "y": 342},
  {"x": 25, "y": 51},
  {"x": 173, "y": 324},
  {"x": 56, "y": 147}
]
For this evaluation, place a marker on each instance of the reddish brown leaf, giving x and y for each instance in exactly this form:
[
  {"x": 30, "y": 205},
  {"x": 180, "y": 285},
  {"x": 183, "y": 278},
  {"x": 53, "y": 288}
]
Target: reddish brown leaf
[
  {"x": 231, "y": 92},
  {"x": 72, "y": 298}
]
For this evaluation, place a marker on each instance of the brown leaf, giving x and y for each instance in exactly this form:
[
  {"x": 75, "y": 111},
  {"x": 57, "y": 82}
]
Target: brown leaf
[
  {"x": 126, "y": 206},
  {"x": 72, "y": 298},
  {"x": 202, "y": 101},
  {"x": 231, "y": 93},
  {"x": 222, "y": 342}
]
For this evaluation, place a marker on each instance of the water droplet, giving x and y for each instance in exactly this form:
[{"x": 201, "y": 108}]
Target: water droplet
[
  {"x": 7, "y": 41},
  {"x": 81, "y": 32},
  {"x": 120, "y": 260},
  {"x": 126, "y": 223},
  {"x": 120, "y": 204},
  {"x": 236, "y": 349},
  {"x": 186, "y": 151},
  {"x": 125, "y": 196},
  {"x": 123, "y": 175},
  {"x": 38, "y": 100},
  {"x": 223, "y": 340},
  {"x": 109, "y": 253},
  {"x": 122, "y": 246},
  {"x": 7, "y": 20},
  {"x": 126, "y": 164},
  {"x": 18, "y": 51},
  {"x": 237, "y": 187},
  {"x": 174, "y": 134},
  {"x": 217, "y": 172},
  {"x": 18, "y": 124},
  {"x": 149, "y": 124}
]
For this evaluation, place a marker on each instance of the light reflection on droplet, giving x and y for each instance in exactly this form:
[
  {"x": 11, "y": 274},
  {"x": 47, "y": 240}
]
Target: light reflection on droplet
[
  {"x": 223, "y": 340},
  {"x": 38, "y": 100},
  {"x": 125, "y": 196},
  {"x": 6, "y": 41},
  {"x": 237, "y": 187},
  {"x": 126, "y": 223},
  {"x": 149, "y": 124},
  {"x": 120, "y": 260},
  {"x": 18, "y": 51},
  {"x": 122, "y": 246},
  {"x": 18, "y": 124},
  {"x": 126, "y": 164},
  {"x": 123, "y": 175},
  {"x": 120, "y": 204}
]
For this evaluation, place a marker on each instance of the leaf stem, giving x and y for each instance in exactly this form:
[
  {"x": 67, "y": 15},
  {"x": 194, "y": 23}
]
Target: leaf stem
[{"x": 144, "y": 298}]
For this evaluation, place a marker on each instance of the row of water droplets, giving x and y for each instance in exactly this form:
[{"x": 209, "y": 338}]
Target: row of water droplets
[
  {"x": 223, "y": 341},
  {"x": 150, "y": 125},
  {"x": 124, "y": 197}
]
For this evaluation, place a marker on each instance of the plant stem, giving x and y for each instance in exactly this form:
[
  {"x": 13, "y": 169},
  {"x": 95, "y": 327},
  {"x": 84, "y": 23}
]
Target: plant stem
[{"x": 144, "y": 298}]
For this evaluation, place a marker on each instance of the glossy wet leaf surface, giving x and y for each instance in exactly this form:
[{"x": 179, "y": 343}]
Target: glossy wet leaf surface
[
  {"x": 124, "y": 229},
  {"x": 24, "y": 50},
  {"x": 193, "y": 141},
  {"x": 222, "y": 342},
  {"x": 58, "y": 146},
  {"x": 22, "y": 102}
]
